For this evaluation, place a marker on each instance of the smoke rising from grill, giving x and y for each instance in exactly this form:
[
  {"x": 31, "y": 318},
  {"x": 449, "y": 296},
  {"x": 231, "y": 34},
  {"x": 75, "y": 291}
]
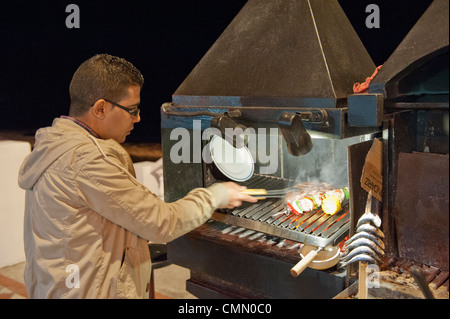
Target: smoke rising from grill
[{"x": 327, "y": 162}]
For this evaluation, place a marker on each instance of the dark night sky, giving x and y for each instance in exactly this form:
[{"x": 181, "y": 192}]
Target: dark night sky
[{"x": 164, "y": 39}]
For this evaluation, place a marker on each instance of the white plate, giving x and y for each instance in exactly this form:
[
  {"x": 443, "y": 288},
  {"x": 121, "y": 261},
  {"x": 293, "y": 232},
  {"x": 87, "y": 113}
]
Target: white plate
[{"x": 235, "y": 163}]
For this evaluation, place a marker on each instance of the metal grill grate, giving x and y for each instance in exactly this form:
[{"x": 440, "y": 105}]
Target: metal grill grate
[{"x": 271, "y": 216}]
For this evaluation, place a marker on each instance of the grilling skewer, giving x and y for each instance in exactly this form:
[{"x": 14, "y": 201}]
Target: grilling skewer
[
  {"x": 331, "y": 201},
  {"x": 369, "y": 224},
  {"x": 363, "y": 290},
  {"x": 366, "y": 248}
]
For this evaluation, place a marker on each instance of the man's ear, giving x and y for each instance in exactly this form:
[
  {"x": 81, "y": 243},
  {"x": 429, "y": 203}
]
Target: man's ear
[{"x": 98, "y": 109}]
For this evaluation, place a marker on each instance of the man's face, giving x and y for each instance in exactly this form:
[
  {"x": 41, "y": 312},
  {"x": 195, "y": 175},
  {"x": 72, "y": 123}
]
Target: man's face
[{"x": 119, "y": 122}]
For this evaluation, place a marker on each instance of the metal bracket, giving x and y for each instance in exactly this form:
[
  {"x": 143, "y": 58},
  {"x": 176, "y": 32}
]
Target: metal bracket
[{"x": 298, "y": 141}]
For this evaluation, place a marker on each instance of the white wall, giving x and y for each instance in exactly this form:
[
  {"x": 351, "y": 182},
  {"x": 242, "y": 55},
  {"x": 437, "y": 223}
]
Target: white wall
[
  {"x": 151, "y": 175},
  {"x": 12, "y": 202}
]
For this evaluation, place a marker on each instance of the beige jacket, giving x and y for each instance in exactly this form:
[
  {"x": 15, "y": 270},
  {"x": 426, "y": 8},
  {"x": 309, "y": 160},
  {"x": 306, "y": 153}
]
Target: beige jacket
[{"x": 88, "y": 220}]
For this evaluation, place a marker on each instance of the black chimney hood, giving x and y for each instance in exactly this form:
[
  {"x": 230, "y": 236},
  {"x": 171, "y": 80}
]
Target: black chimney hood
[
  {"x": 280, "y": 53},
  {"x": 416, "y": 74}
]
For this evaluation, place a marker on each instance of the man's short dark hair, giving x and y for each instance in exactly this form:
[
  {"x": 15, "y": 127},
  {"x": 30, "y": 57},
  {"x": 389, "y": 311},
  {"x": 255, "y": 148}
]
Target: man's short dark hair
[{"x": 101, "y": 77}]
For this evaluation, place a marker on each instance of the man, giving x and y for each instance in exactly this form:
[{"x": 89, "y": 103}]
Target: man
[{"x": 87, "y": 219}]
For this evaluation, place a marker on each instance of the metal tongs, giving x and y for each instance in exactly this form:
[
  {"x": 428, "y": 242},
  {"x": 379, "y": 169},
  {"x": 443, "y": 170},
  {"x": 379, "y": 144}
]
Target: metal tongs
[{"x": 261, "y": 193}]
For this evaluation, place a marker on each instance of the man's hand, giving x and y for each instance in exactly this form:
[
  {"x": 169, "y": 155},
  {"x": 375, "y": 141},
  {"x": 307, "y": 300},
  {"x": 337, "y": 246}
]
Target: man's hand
[{"x": 235, "y": 195}]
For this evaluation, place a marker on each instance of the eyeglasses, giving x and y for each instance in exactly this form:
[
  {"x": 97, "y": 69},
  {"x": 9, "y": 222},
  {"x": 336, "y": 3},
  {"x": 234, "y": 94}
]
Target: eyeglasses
[{"x": 133, "y": 111}]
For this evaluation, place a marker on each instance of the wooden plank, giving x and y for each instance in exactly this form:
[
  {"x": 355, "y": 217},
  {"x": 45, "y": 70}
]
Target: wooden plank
[
  {"x": 439, "y": 280},
  {"x": 430, "y": 273}
]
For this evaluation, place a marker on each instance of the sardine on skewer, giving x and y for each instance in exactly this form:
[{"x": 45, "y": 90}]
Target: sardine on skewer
[
  {"x": 366, "y": 245},
  {"x": 360, "y": 257},
  {"x": 368, "y": 218},
  {"x": 367, "y": 235},
  {"x": 370, "y": 229},
  {"x": 362, "y": 250},
  {"x": 365, "y": 242}
]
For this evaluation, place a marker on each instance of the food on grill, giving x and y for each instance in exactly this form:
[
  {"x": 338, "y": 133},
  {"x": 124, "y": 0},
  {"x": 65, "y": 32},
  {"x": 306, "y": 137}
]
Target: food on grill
[
  {"x": 306, "y": 204},
  {"x": 313, "y": 196},
  {"x": 334, "y": 200},
  {"x": 331, "y": 205}
]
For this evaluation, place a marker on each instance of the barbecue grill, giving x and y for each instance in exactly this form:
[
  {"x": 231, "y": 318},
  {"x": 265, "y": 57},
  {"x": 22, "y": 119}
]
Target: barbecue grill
[{"x": 281, "y": 67}]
